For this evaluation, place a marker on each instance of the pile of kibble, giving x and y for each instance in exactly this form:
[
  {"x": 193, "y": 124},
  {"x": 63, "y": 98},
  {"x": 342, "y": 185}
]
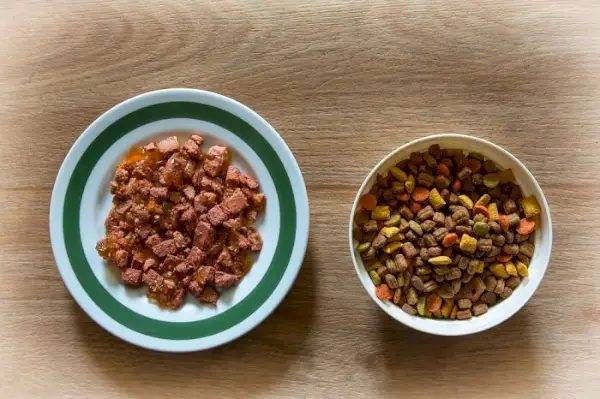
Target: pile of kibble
[{"x": 446, "y": 233}]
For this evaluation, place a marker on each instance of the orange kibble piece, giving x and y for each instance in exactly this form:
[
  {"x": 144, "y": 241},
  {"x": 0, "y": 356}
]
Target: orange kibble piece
[
  {"x": 443, "y": 169},
  {"x": 384, "y": 292},
  {"x": 450, "y": 240},
  {"x": 503, "y": 221},
  {"x": 503, "y": 258},
  {"x": 526, "y": 226},
  {"x": 434, "y": 303},
  {"x": 481, "y": 209},
  {"x": 368, "y": 202},
  {"x": 404, "y": 197},
  {"x": 420, "y": 194},
  {"x": 414, "y": 207},
  {"x": 456, "y": 186}
]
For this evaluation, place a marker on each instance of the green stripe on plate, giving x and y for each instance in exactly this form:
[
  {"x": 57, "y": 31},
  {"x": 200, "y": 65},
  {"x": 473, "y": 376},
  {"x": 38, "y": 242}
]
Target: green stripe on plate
[{"x": 158, "y": 328}]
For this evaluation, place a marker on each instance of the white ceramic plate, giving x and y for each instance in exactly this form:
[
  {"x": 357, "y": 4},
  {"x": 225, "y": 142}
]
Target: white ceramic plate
[
  {"x": 81, "y": 201},
  {"x": 539, "y": 262}
]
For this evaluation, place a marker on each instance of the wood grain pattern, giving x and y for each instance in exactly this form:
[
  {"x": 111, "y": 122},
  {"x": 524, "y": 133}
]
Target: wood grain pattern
[{"x": 344, "y": 82}]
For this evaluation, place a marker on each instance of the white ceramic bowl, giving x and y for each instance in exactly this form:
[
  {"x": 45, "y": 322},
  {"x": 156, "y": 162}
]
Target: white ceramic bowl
[
  {"x": 81, "y": 201},
  {"x": 543, "y": 238}
]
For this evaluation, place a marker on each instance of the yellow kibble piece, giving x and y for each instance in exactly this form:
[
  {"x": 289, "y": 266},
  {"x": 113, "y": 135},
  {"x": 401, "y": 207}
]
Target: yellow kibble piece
[
  {"x": 531, "y": 206},
  {"x": 374, "y": 266},
  {"x": 400, "y": 280},
  {"x": 480, "y": 266},
  {"x": 416, "y": 227},
  {"x": 363, "y": 247},
  {"x": 447, "y": 308},
  {"x": 421, "y": 305},
  {"x": 381, "y": 212},
  {"x": 409, "y": 185},
  {"x": 393, "y": 220},
  {"x": 392, "y": 247},
  {"x": 511, "y": 269},
  {"x": 398, "y": 173},
  {"x": 522, "y": 269},
  {"x": 499, "y": 270},
  {"x": 484, "y": 200},
  {"x": 390, "y": 231},
  {"x": 440, "y": 260},
  {"x": 375, "y": 278},
  {"x": 436, "y": 200},
  {"x": 465, "y": 201},
  {"x": 468, "y": 243},
  {"x": 493, "y": 212},
  {"x": 397, "y": 237}
]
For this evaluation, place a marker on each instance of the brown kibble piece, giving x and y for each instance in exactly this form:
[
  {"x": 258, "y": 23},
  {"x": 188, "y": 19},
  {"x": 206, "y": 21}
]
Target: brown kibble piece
[
  {"x": 464, "y": 314},
  {"x": 409, "y": 250},
  {"x": 464, "y": 303},
  {"x": 479, "y": 309}
]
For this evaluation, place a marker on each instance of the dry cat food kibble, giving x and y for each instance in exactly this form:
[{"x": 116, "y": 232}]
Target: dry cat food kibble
[
  {"x": 181, "y": 221},
  {"x": 446, "y": 234}
]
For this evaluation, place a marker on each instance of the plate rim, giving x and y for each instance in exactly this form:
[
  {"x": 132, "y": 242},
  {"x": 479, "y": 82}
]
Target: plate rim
[{"x": 290, "y": 168}]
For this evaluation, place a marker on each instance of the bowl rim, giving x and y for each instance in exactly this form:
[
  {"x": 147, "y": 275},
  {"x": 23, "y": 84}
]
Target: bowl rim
[
  {"x": 289, "y": 164},
  {"x": 471, "y": 326}
]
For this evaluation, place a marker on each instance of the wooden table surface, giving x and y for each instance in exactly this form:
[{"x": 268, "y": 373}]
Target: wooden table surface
[{"x": 344, "y": 82}]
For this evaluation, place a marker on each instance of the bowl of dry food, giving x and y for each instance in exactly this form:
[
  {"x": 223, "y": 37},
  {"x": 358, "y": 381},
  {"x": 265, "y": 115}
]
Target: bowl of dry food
[
  {"x": 179, "y": 220},
  {"x": 450, "y": 234}
]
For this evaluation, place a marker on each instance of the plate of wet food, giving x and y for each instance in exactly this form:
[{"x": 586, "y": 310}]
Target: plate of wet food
[
  {"x": 179, "y": 220},
  {"x": 450, "y": 234}
]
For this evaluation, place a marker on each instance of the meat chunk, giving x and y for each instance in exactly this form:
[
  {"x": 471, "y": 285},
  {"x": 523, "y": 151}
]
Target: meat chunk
[
  {"x": 225, "y": 280},
  {"x": 170, "y": 262},
  {"x": 159, "y": 193},
  {"x": 143, "y": 172},
  {"x": 209, "y": 295},
  {"x": 233, "y": 176},
  {"x": 180, "y": 240},
  {"x": 202, "y": 232},
  {"x": 195, "y": 288},
  {"x": 122, "y": 258},
  {"x": 149, "y": 264},
  {"x": 191, "y": 148},
  {"x": 217, "y": 159},
  {"x": 196, "y": 257},
  {"x": 168, "y": 145},
  {"x": 255, "y": 241},
  {"x": 213, "y": 184},
  {"x": 153, "y": 240},
  {"x": 121, "y": 175},
  {"x": 132, "y": 277},
  {"x": 188, "y": 215},
  {"x": 205, "y": 275},
  {"x": 183, "y": 268},
  {"x": 172, "y": 173},
  {"x": 233, "y": 224},
  {"x": 177, "y": 298},
  {"x": 259, "y": 200},
  {"x": 216, "y": 216},
  {"x": 235, "y": 203},
  {"x": 224, "y": 258},
  {"x": 249, "y": 181},
  {"x": 167, "y": 247},
  {"x": 189, "y": 192},
  {"x": 153, "y": 279},
  {"x": 198, "y": 139}
]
